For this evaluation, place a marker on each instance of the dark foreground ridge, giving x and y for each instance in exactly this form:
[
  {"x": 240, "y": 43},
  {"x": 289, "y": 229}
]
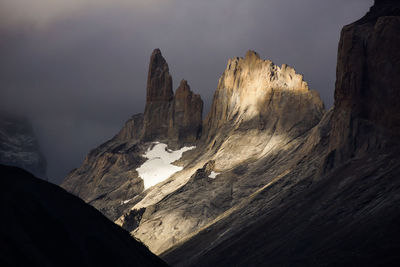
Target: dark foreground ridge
[{"x": 43, "y": 225}]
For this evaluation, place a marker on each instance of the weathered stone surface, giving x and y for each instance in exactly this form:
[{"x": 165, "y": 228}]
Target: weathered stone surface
[
  {"x": 255, "y": 93},
  {"x": 288, "y": 172},
  {"x": 334, "y": 200},
  {"x": 159, "y": 98},
  {"x": 257, "y": 102},
  {"x": 108, "y": 179},
  {"x": 108, "y": 176},
  {"x": 19, "y": 146},
  {"x": 367, "y": 113},
  {"x": 185, "y": 122},
  {"x": 260, "y": 117}
]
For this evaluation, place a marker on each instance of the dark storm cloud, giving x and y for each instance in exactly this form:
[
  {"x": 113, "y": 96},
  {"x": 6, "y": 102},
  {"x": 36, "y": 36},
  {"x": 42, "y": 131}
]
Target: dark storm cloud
[{"x": 79, "y": 68}]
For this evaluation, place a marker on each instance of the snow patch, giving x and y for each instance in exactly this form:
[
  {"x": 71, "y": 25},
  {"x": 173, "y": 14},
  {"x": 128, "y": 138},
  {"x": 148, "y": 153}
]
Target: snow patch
[
  {"x": 213, "y": 175},
  {"x": 158, "y": 167}
]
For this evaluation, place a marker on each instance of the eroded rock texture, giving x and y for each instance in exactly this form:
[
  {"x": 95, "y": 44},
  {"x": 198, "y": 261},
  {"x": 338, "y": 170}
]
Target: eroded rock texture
[
  {"x": 108, "y": 174},
  {"x": 367, "y": 110},
  {"x": 108, "y": 179},
  {"x": 260, "y": 117},
  {"x": 159, "y": 98},
  {"x": 255, "y": 93},
  {"x": 185, "y": 122},
  {"x": 336, "y": 203},
  {"x": 291, "y": 184},
  {"x": 169, "y": 117}
]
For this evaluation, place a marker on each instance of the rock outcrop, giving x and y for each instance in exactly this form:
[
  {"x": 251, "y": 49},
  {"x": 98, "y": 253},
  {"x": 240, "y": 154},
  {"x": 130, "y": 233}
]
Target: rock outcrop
[
  {"x": 261, "y": 115},
  {"x": 19, "y": 146},
  {"x": 175, "y": 119},
  {"x": 43, "y": 225},
  {"x": 185, "y": 122},
  {"x": 336, "y": 203},
  {"x": 272, "y": 165},
  {"x": 108, "y": 174},
  {"x": 159, "y": 98},
  {"x": 367, "y": 110},
  {"x": 108, "y": 179},
  {"x": 255, "y": 93}
]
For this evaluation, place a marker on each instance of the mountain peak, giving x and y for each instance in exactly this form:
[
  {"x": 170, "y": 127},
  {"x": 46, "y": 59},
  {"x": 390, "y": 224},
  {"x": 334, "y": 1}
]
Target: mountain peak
[
  {"x": 159, "y": 81},
  {"x": 252, "y": 89},
  {"x": 183, "y": 87},
  {"x": 252, "y": 54},
  {"x": 167, "y": 116}
]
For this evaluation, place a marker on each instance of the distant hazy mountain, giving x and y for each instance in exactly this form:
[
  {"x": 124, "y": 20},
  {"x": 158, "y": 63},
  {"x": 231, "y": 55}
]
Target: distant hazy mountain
[{"x": 19, "y": 146}]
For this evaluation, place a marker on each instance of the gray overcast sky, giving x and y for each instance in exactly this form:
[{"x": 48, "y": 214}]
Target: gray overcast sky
[{"x": 78, "y": 68}]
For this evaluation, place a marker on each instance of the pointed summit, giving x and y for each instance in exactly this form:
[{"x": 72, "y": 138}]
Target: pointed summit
[
  {"x": 186, "y": 120},
  {"x": 168, "y": 117},
  {"x": 183, "y": 88},
  {"x": 159, "y": 81},
  {"x": 252, "y": 54},
  {"x": 159, "y": 97}
]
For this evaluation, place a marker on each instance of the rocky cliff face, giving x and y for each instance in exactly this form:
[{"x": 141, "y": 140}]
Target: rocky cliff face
[
  {"x": 256, "y": 106},
  {"x": 261, "y": 115},
  {"x": 169, "y": 117},
  {"x": 159, "y": 98},
  {"x": 255, "y": 93},
  {"x": 337, "y": 201},
  {"x": 19, "y": 146},
  {"x": 108, "y": 178},
  {"x": 185, "y": 122},
  {"x": 272, "y": 165},
  {"x": 367, "y": 113}
]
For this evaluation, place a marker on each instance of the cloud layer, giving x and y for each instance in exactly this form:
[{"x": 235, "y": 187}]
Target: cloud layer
[{"x": 78, "y": 68}]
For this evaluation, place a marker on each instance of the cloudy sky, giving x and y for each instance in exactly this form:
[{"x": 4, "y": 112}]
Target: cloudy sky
[{"x": 78, "y": 68}]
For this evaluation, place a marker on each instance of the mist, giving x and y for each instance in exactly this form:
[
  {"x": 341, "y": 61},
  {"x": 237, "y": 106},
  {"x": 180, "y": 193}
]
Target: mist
[{"x": 78, "y": 69}]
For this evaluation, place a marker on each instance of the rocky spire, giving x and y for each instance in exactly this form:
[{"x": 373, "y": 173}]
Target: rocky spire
[
  {"x": 159, "y": 81},
  {"x": 168, "y": 117},
  {"x": 186, "y": 118},
  {"x": 158, "y": 99}
]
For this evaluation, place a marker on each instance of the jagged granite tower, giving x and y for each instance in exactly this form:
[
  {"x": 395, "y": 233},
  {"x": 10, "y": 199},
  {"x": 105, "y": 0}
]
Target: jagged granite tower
[{"x": 108, "y": 174}]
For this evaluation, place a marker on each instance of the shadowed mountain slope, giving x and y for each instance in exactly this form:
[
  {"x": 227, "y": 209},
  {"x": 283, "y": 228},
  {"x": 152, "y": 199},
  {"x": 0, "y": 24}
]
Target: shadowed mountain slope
[
  {"x": 274, "y": 178},
  {"x": 43, "y": 225},
  {"x": 345, "y": 212}
]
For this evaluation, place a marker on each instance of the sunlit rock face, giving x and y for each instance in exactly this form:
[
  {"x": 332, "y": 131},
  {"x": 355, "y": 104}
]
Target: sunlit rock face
[
  {"x": 257, "y": 91},
  {"x": 272, "y": 171},
  {"x": 258, "y": 106},
  {"x": 108, "y": 174},
  {"x": 338, "y": 187},
  {"x": 19, "y": 146},
  {"x": 260, "y": 119},
  {"x": 108, "y": 178}
]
